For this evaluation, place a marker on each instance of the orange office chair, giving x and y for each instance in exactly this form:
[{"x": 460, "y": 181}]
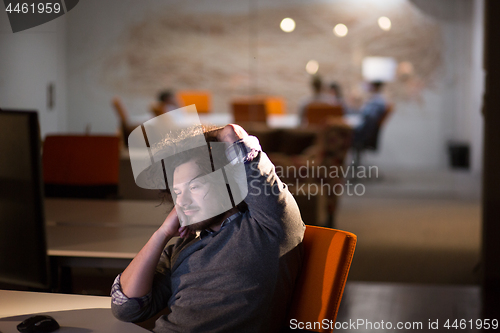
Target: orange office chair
[
  {"x": 200, "y": 98},
  {"x": 249, "y": 111},
  {"x": 317, "y": 113},
  {"x": 83, "y": 166},
  {"x": 275, "y": 105},
  {"x": 327, "y": 258}
]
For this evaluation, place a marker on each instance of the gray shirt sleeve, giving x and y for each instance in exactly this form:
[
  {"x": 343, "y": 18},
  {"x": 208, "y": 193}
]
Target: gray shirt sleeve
[
  {"x": 142, "y": 308},
  {"x": 269, "y": 201}
]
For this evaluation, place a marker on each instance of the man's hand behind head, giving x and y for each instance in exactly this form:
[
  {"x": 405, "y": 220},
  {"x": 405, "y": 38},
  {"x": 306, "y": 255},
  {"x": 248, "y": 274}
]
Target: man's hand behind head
[
  {"x": 231, "y": 133},
  {"x": 171, "y": 227}
]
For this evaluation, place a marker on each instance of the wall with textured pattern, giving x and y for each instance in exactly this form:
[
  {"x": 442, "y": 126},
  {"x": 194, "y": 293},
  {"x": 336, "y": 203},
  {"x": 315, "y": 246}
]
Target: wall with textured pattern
[{"x": 133, "y": 49}]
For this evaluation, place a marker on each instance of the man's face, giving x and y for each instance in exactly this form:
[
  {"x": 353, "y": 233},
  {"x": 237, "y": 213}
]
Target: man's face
[{"x": 198, "y": 198}]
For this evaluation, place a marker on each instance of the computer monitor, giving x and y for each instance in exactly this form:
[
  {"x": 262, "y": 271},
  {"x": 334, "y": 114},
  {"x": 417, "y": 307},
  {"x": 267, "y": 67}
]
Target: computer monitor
[{"x": 23, "y": 248}]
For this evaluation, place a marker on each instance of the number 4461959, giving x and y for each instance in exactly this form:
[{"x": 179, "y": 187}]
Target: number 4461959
[
  {"x": 472, "y": 324},
  {"x": 40, "y": 8}
]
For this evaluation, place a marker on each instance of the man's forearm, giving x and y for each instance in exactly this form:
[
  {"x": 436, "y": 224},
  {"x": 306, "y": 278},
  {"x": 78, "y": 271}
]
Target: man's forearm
[{"x": 137, "y": 279}]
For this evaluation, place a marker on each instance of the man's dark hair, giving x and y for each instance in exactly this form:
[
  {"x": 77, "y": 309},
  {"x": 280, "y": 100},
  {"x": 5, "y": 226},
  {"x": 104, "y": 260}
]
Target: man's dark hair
[
  {"x": 377, "y": 86},
  {"x": 336, "y": 88},
  {"x": 165, "y": 95},
  {"x": 180, "y": 151},
  {"x": 182, "y": 156},
  {"x": 317, "y": 84}
]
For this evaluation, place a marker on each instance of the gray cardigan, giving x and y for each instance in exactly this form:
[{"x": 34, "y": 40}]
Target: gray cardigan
[{"x": 239, "y": 279}]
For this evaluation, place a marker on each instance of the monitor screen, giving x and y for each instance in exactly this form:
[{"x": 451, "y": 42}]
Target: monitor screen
[{"x": 23, "y": 249}]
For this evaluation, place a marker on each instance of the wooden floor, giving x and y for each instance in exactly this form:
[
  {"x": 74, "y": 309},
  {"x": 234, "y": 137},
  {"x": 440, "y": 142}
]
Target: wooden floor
[
  {"x": 417, "y": 258},
  {"x": 415, "y": 228},
  {"x": 371, "y": 303}
]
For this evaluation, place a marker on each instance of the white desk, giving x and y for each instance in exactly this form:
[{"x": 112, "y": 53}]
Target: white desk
[
  {"x": 221, "y": 119},
  {"x": 100, "y": 233},
  {"x": 121, "y": 242},
  {"x": 290, "y": 120},
  {"x": 74, "y": 313},
  {"x": 105, "y": 213}
]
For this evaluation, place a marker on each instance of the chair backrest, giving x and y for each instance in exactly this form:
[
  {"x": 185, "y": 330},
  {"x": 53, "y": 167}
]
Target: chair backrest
[
  {"x": 125, "y": 126},
  {"x": 317, "y": 113},
  {"x": 327, "y": 258},
  {"x": 372, "y": 139},
  {"x": 246, "y": 111},
  {"x": 388, "y": 111},
  {"x": 275, "y": 105},
  {"x": 120, "y": 110},
  {"x": 81, "y": 165},
  {"x": 200, "y": 98},
  {"x": 335, "y": 140}
]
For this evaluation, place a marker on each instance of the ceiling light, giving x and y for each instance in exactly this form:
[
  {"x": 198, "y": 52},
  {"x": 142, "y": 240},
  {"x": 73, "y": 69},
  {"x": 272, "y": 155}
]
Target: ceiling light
[
  {"x": 340, "y": 30},
  {"x": 287, "y": 25},
  {"x": 384, "y": 23},
  {"x": 312, "y": 67}
]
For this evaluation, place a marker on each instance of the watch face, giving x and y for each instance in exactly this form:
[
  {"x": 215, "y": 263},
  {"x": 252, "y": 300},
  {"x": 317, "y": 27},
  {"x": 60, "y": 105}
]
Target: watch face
[{"x": 170, "y": 152}]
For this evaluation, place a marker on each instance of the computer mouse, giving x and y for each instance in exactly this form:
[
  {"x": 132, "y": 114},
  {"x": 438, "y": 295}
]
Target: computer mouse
[{"x": 38, "y": 324}]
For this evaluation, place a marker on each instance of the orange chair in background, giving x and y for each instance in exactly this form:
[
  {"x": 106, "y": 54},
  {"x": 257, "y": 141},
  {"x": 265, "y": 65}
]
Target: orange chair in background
[
  {"x": 83, "y": 166},
  {"x": 275, "y": 105},
  {"x": 255, "y": 109},
  {"x": 327, "y": 258},
  {"x": 249, "y": 111},
  {"x": 201, "y": 98},
  {"x": 317, "y": 113}
]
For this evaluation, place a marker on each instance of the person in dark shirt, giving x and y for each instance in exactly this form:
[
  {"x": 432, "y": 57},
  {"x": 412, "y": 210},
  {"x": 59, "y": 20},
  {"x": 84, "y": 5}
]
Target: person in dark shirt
[
  {"x": 231, "y": 270},
  {"x": 371, "y": 114}
]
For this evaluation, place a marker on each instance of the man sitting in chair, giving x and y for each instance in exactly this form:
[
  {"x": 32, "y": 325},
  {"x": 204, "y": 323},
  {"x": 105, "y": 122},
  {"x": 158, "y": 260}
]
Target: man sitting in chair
[
  {"x": 318, "y": 96},
  {"x": 371, "y": 113},
  {"x": 232, "y": 269}
]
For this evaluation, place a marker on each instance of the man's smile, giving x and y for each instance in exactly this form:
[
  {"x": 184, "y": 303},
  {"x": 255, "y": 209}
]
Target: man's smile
[{"x": 190, "y": 211}]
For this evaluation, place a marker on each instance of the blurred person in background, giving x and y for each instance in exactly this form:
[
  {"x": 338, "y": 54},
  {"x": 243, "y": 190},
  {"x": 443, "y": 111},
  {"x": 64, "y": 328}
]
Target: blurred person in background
[
  {"x": 166, "y": 102},
  {"x": 337, "y": 96},
  {"x": 318, "y": 96},
  {"x": 371, "y": 114}
]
